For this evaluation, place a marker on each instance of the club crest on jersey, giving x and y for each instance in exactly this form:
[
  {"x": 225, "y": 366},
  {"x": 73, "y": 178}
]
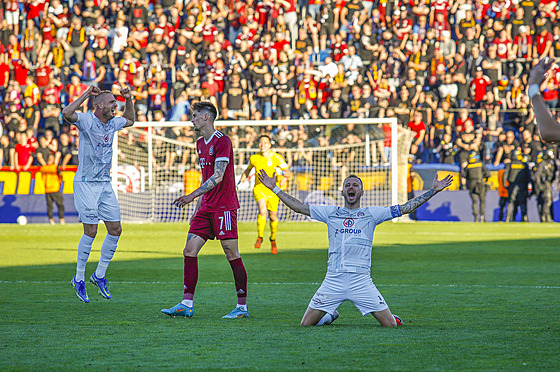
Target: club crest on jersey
[
  {"x": 349, "y": 222},
  {"x": 211, "y": 151},
  {"x": 106, "y": 138}
]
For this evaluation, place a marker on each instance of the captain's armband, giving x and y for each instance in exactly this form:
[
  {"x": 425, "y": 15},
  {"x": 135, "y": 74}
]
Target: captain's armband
[{"x": 396, "y": 211}]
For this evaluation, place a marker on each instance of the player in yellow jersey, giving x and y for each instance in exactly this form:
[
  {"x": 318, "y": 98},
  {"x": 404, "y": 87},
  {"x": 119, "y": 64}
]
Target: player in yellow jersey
[{"x": 270, "y": 162}]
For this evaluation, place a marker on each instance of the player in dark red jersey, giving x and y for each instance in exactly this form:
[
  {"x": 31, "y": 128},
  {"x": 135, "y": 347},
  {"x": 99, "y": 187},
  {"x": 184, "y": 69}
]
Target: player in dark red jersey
[{"x": 216, "y": 211}]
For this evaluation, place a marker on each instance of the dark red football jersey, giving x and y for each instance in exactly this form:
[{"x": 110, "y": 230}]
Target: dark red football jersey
[{"x": 223, "y": 197}]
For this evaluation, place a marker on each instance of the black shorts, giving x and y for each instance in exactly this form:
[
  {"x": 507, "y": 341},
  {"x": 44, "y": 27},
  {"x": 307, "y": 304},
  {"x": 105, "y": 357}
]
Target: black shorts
[{"x": 284, "y": 110}]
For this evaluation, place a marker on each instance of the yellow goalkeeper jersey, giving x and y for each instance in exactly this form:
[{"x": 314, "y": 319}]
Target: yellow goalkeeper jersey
[{"x": 268, "y": 163}]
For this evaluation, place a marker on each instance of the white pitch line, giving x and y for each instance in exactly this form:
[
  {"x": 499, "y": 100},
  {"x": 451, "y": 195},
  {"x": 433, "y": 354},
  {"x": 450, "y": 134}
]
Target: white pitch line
[{"x": 306, "y": 283}]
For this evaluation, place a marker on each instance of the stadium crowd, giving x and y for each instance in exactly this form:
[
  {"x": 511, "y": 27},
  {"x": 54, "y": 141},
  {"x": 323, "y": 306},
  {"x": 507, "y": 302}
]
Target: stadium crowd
[{"x": 452, "y": 71}]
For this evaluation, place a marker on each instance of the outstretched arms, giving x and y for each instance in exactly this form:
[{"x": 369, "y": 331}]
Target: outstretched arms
[
  {"x": 216, "y": 178},
  {"x": 290, "y": 201},
  {"x": 413, "y": 204},
  {"x": 547, "y": 125}
]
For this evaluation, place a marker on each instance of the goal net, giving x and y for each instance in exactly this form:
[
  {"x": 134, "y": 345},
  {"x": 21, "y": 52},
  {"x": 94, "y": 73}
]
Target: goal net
[{"x": 156, "y": 162}]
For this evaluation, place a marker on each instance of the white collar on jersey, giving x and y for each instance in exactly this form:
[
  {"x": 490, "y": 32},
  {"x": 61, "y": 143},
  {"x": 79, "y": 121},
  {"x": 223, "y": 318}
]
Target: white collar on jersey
[{"x": 210, "y": 139}]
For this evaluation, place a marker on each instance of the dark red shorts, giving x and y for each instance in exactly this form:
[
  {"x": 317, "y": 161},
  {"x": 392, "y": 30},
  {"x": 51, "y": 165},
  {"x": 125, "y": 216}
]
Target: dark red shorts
[{"x": 218, "y": 225}]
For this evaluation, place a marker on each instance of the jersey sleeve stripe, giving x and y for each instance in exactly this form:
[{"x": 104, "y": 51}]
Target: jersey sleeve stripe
[{"x": 223, "y": 158}]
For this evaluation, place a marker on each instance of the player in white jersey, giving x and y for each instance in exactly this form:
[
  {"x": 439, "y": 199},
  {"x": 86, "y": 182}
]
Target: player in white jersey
[
  {"x": 93, "y": 195},
  {"x": 351, "y": 232}
]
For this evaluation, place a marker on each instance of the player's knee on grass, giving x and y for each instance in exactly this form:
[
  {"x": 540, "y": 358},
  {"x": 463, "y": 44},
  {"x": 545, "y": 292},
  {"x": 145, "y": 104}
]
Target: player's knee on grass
[
  {"x": 311, "y": 317},
  {"x": 385, "y": 318}
]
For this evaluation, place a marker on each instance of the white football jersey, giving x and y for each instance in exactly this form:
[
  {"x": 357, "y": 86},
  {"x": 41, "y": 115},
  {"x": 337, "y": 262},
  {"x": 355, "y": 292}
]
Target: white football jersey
[
  {"x": 95, "y": 151},
  {"x": 351, "y": 235}
]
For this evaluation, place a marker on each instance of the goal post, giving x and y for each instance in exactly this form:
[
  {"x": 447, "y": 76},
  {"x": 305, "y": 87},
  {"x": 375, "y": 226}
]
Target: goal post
[{"x": 155, "y": 162}]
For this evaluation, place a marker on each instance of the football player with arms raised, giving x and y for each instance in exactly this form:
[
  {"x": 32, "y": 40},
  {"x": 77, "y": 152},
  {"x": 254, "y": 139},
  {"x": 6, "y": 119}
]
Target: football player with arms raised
[
  {"x": 350, "y": 232},
  {"x": 93, "y": 194}
]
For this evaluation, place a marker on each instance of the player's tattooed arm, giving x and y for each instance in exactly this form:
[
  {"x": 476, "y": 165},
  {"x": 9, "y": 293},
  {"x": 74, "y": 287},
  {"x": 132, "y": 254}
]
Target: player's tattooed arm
[
  {"x": 413, "y": 204},
  {"x": 216, "y": 178},
  {"x": 289, "y": 200},
  {"x": 439, "y": 185},
  {"x": 294, "y": 204}
]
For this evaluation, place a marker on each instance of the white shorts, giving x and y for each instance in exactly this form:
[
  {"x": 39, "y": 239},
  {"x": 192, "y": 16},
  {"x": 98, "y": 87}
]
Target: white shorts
[
  {"x": 96, "y": 201},
  {"x": 339, "y": 287}
]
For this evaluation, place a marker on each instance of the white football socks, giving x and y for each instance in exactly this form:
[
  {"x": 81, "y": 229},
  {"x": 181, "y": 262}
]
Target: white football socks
[
  {"x": 242, "y": 307},
  {"x": 108, "y": 249},
  {"x": 326, "y": 319},
  {"x": 188, "y": 303},
  {"x": 84, "y": 248}
]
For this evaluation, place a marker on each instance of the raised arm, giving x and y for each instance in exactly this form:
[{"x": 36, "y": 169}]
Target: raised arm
[
  {"x": 290, "y": 201},
  {"x": 216, "y": 178},
  {"x": 129, "y": 114},
  {"x": 548, "y": 127},
  {"x": 414, "y": 203},
  {"x": 69, "y": 112}
]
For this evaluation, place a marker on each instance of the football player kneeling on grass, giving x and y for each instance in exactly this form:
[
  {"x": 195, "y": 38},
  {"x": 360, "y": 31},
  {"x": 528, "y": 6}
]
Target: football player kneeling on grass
[{"x": 350, "y": 243}]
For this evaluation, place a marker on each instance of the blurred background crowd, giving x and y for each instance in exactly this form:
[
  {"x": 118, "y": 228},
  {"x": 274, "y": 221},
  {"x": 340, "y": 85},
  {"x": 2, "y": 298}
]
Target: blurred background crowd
[{"x": 452, "y": 71}]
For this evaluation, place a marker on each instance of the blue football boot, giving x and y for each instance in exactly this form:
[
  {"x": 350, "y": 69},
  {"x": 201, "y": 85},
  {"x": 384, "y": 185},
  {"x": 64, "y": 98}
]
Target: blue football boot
[
  {"x": 238, "y": 312},
  {"x": 101, "y": 284},
  {"x": 80, "y": 289},
  {"x": 179, "y": 310}
]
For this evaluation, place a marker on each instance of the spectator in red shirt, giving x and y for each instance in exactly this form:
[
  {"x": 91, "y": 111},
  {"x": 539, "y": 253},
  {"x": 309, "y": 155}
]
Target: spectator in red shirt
[
  {"x": 543, "y": 39},
  {"x": 504, "y": 46},
  {"x": 479, "y": 86},
  {"x": 419, "y": 129},
  {"x": 439, "y": 7},
  {"x": 21, "y": 70},
  {"x": 75, "y": 90},
  {"x": 402, "y": 26},
  {"x": 210, "y": 84},
  {"x": 120, "y": 83},
  {"x": 4, "y": 76},
  {"x": 463, "y": 121},
  {"x": 43, "y": 73},
  {"x": 23, "y": 153},
  {"x": 440, "y": 24}
]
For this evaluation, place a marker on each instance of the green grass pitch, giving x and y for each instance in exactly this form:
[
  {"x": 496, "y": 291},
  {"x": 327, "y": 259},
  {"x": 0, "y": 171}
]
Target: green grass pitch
[{"x": 472, "y": 296}]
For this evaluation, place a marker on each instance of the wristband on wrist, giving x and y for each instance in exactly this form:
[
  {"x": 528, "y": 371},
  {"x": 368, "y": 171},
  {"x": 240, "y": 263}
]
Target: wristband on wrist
[
  {"x": 533, "y": 90},
  {"x": 276, "y": 189}
]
